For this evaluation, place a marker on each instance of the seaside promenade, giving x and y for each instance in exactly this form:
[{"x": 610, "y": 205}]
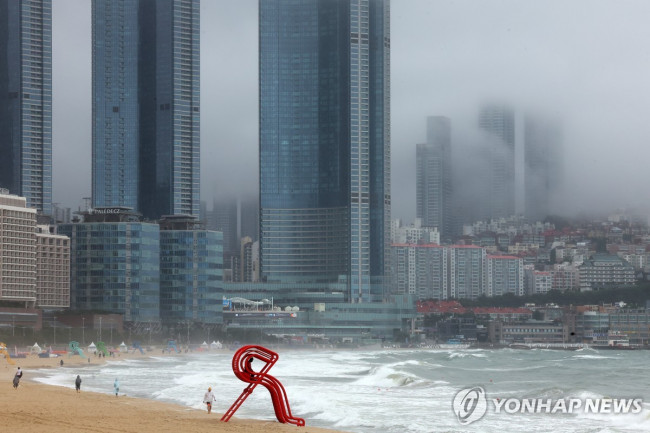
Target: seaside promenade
[{"x": 35, "y": 407}]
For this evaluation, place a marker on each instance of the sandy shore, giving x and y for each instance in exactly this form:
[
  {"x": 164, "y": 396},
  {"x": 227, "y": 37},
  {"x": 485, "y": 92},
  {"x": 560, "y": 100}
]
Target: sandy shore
[{"x": 35, "y": 407}]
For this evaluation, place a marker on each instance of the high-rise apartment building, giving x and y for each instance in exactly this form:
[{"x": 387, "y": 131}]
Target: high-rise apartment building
[
  {"x": 543, "y": 171},
  {"x": 145, "y": 99},
  {"x": 421, "y": 270},
  {"x": 467, "y": 277},
  {"x": 497, "y": 173},
  {"x": 505, "y": 274},
  {"x": 26, "y": 101},
  {"x": 433, "y": 177},
  {"x": 325, "y": 142}
]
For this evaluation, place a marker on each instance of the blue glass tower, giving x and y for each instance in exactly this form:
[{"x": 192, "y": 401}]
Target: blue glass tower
[
  {"x": 325, "y": 142},
  {"x": 115, "y": 267},
  {"x": 191, "y": 272},
  {"x": 26, "y": 101},
  {"x": 146, "y": 105}
]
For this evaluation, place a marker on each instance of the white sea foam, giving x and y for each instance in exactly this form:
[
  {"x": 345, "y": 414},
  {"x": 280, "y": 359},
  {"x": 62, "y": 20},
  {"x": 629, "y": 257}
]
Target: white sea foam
[
  {"x": 388, "y": 391},
  {"x": 466, "y": 354},
  {"x": 592, "y": 357}
]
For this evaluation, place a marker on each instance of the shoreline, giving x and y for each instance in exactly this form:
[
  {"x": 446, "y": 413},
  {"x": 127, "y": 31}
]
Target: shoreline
[{"x": 35, "y": 406}]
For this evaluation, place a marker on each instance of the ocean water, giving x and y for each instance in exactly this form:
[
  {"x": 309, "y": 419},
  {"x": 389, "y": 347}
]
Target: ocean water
[{"x": 394, "y": 390}]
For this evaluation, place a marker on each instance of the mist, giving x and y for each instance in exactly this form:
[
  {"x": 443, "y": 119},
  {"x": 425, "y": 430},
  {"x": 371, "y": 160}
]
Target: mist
[{"x": 586, "y": 62}]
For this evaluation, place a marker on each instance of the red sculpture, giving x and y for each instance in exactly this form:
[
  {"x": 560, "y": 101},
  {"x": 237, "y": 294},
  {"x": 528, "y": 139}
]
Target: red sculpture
[{"x": 243, "y": 369}]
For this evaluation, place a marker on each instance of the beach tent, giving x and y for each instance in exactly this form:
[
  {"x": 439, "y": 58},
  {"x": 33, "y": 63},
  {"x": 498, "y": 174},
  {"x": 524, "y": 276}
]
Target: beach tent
[
  {"x": 204, "y": 345},
  {"x": 123, "y": 347},
  {"x": 35, "y": 348},
  {"x": 216, "y": 345},
  {"x": 92, "y": 348}
]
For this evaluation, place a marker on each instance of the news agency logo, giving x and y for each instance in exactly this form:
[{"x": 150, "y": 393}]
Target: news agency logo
[{"x": 470, "y": 405}]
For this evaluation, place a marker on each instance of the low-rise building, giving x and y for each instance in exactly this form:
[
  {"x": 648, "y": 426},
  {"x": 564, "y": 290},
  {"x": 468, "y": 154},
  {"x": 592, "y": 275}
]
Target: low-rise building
[
  {"x": 538, "y": 282},
  {"x": 605, "y": 270},
  {"x": 565, "y": 276},
  {"x": 415, "y": 233},
  {"x": 530, "y": 332},
  {"x": 633, "y": 323},
  {"x": 503, "y": 314},
  {"x": 591, "y": 324}
]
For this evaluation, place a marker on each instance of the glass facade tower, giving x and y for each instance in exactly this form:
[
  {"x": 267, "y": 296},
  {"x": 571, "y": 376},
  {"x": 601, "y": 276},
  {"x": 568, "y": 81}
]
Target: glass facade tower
[
  {"x": 115, "y": 268},
  {"x": 325, "y": 142},
  {"x": 433, "y": 177},
  {"x": 146, "y": 105},
  {"x": 498, "y": 200},
  {"x": 191, "y": 272},
  {"x": 26, "y": 101},
  {"x": 543, "y": 171}
]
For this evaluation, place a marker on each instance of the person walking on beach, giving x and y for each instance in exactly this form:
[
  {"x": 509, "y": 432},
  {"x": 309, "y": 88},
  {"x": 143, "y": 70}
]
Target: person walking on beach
[
  {"x": 208, "y": 398},
  {"x": 17, "y": 377},
  {"x": 116, "y": 386},
  {"x": 77, "y": 383}
]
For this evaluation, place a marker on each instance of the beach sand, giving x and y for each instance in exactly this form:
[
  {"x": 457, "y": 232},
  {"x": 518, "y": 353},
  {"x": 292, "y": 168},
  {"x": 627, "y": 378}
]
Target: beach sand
[{"x": 35, "y": 407}]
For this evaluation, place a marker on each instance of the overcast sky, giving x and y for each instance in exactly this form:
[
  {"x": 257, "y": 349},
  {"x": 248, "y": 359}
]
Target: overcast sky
[{"x": 586, "y": 61}]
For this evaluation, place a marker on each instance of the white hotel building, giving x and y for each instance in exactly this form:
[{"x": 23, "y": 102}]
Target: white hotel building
[{"x": 34, "y": 264}]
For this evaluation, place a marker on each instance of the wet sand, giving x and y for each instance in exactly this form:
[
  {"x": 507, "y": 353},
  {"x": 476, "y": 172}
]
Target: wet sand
[{"x": 35, "y": 407}]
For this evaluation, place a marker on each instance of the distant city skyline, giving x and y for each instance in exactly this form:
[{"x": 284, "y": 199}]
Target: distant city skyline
[{"x": 444, "y": 62}]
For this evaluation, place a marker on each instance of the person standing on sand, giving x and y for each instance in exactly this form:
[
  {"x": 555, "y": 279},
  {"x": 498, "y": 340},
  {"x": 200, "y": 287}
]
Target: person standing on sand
[
  {"x": 208, "y": 398},
  {"x": 116, "y": 386},
  {"x": 77, "y": 383}
]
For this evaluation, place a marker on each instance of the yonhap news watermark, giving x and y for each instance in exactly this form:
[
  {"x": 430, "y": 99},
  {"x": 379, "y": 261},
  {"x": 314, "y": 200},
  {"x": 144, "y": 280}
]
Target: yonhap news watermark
[{"x": 471, "y": 404}]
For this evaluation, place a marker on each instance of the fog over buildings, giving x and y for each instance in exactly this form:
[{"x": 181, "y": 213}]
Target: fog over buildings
[{"x": 583, "y": 62}]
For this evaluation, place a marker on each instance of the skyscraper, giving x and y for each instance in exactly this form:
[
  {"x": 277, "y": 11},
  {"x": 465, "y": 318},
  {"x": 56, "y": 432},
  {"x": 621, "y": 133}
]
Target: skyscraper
[
  {"x": 325, "y": 142},
  {"x": 26, "y": 101},
  {"x": 433, "y": 177},
  {"x": 146, "y": 105},
  {"x": 498, "y": 159},
  {"x": 542, "y": 165}
]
